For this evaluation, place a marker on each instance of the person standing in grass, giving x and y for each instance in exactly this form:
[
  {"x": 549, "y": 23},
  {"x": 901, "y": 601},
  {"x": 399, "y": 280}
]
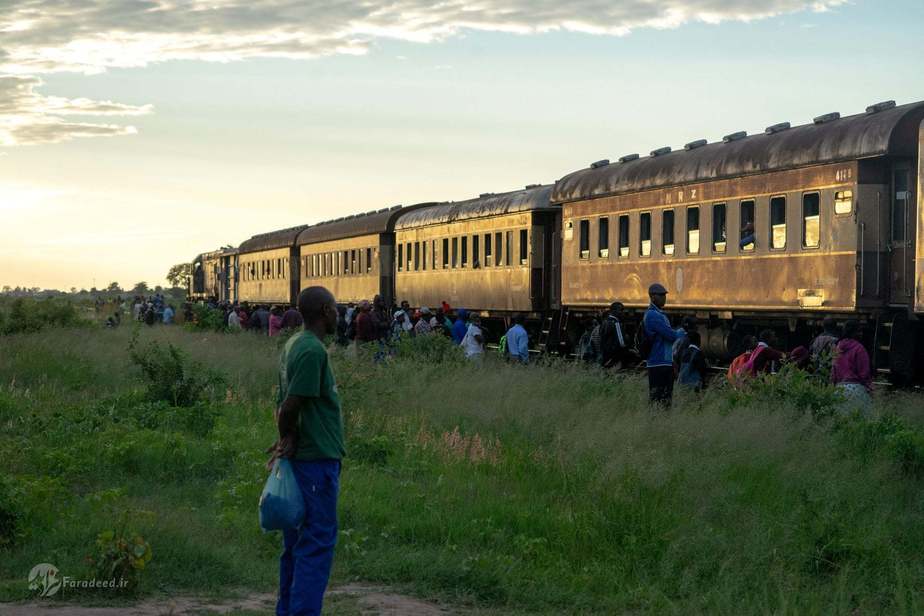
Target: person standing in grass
[
  {"x": 660, "y": 337},
  {"x": 473, "y": 341},
  {"x": 694, "y": 370},
  {"x": 851, "y": 372},
  {"x": 518, "y": 341},
  {"x": 460, "y": 326},
  {"x": 310, "y": 428},
  {"x": 613, "y": 349}
]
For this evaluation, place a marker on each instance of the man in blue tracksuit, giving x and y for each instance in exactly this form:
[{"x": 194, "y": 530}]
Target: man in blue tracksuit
[{"x": 661, "y": 336}]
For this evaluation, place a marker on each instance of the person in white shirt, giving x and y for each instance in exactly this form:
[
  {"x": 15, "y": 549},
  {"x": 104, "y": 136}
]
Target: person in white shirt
[
  {"x": 473, "y": 341},
  {"x": 234, "y": 321}
]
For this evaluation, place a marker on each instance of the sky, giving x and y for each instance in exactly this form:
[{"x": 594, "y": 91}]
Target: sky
[{"x": 135, "y": 134}]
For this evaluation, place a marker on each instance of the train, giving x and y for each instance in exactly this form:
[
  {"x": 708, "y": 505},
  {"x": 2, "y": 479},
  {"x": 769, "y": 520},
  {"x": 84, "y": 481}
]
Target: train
[{"x": 776, "y": 229}]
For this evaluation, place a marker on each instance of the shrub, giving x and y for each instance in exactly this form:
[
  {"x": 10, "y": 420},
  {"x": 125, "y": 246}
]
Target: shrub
[
  {"x": 10, "y": 515},
  {"x": 431, "y": 349},
  {"x": 205, "y": 318},
  {"x": 29, "y": 315},
  {"x": 790, "y": 387},
  {"x": 121, "y": 556},
  {"x": 171, "y": 376}
]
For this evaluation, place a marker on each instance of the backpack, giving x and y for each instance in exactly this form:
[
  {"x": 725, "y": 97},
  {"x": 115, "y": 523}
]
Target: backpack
[
  {"x": 586, "y": 348},
  {"x": 502, "y": 345},
  {"x": 735, "y": 369},
  {"x": 643, "y": 343},
  {"x": 609, "y": 341},
  {"x": 689, "y": 376}
]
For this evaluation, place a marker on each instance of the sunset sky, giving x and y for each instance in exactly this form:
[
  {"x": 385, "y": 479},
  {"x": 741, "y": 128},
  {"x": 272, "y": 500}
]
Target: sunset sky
[{"x": 136, "y": 134}]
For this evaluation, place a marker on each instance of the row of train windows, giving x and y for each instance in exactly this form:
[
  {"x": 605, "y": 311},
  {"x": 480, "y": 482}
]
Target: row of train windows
[
  {"x": 496, "y": 250},
  {"x": 265, "y": 269},
  {"x": 748, "y": 238},
  {"x": 351, "y": 262}
]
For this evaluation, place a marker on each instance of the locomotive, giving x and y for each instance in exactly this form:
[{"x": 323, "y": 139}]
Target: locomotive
[{"x": 776, "y": 229}]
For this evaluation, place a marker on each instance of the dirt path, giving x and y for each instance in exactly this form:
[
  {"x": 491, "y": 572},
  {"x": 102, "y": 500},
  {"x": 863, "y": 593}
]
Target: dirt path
[{"x": 348, "y": 600}]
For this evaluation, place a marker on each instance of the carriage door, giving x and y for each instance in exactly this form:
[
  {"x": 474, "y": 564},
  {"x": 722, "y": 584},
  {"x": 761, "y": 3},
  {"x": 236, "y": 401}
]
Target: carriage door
[{"x": 902, "y": 229}]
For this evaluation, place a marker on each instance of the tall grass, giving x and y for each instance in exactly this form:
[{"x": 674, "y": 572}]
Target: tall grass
[{"x": 549, "y": 488}]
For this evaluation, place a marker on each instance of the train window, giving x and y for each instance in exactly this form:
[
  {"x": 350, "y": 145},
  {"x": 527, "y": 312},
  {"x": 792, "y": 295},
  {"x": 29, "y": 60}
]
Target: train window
[
  {"x": 498, "y": 248},
  {"x": 368, "y": 260},
  {"x": 409, "y": 257},
  {"x": 508, "y": 247},
  {"x": 354, "y": 266},
  {"x": 693, "y": 230},
  {"x": 487, "y": 250},
  {"x": 778, "y": 223},
  {"x": 644, "y": 248},
  {"x": 624, "y": 236},
  {"x": 346, "y": 262},
  {"x": 603, "y": 238},
  {"x": 433, "y": 254},
  {"x": 524, "y": 247},
  {"x": 748, "y": 237},
  {"x": 464, "y": 251},
  {"x": 583, "y": 239},
  {"x": 667, "y": 232},
  {"x": 416, "y": 256},
  {"x": 476, "y": 252},
  {"x": 719, "y": 227},
  {"x": 423, "y": 255},
  {"x": 900, "y": 203},
  {"x": 811, "y": 220},
  {"x": 843, "y": 202},
  {"x": 400, "y": 257},
  {"x": 445, "y": 253},
  {"x": 455, "y": 252},
  {"x": 318, "y": 264}
]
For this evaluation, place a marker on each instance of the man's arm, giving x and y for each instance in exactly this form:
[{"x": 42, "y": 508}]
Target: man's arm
[{"x": 661, "y": 327}]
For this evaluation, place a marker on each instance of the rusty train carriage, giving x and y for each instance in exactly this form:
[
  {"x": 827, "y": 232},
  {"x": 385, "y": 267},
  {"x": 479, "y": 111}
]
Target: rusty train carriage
[
  {"x": 268, "y": 267},
  {"x": 212, "y": 275},
  {"x": 832, "y": 204},
  {"x": 353, "y": 256},
  {"x": 493, "y": 254}
]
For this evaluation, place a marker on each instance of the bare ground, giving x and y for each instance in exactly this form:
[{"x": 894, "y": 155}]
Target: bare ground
[{"x": 347, "y": 600}]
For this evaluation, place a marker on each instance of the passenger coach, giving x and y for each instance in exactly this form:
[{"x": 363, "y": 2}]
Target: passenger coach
[
  {"x": 268, "y": 267},
  {"x": 213, "y": 276},
  {"x": 788, "y": 225},
  {"x": 353, "y": 256},
  {"x": 494, "y": 254}
]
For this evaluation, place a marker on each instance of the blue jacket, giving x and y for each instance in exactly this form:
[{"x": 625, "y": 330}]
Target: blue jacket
[
  {"x": 518, "y": 343},
  {"x": 460, "y": 327},
  {"x": 658, "y": 329}
]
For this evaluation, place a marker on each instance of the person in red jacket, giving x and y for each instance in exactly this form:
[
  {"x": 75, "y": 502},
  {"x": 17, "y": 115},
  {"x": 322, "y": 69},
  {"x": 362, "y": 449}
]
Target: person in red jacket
[{"x": 851, "y": 371}]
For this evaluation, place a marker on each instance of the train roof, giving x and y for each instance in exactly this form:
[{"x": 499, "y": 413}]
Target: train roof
[
  {"x": 376, "y": 221},
  {"x": 885, "y": 129},
  {"x": 283, "y": 238},
  {"x": 533, "y": 197}
]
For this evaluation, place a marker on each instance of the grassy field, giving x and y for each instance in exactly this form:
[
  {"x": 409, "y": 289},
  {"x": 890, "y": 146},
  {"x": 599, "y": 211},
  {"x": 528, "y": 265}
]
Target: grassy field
[{"x": 550, "y": 489}]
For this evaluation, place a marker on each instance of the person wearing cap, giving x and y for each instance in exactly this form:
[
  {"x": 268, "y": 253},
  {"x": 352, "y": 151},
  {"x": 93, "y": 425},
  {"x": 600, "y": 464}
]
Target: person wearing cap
[
  {"x": 422, "y": 327},
  {"x": 661, "y": 336}
]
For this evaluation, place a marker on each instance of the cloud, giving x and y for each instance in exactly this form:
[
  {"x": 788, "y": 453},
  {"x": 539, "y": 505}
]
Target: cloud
[
  {"x": 28, "y": 118},
  {"x": 90, "y": 36}
]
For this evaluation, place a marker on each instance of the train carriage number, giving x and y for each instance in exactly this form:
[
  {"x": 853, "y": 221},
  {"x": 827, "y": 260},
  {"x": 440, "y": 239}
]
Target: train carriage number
[{"x": 843, "y": 175}]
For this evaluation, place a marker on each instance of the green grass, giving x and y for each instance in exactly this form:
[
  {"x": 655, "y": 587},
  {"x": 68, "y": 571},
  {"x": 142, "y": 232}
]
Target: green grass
[{"x": 542, "y": 489}]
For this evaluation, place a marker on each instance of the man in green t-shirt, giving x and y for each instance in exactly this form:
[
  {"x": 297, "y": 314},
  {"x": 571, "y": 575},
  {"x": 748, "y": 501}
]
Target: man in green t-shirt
[{"x": 311, "y": 434}]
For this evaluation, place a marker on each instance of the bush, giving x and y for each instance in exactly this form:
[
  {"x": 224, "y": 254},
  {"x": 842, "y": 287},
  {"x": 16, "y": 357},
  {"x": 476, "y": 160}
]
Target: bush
[
  {"x": 431, "y": 349},
  {"x": 790, "y": 387},
  {"x": 29, "y": 315},
  {"x": 172, "y": 377},
  {"x": 10, "y": 515},
  {"x": 121, "y": 556},
  {"x": 209, "y": 319}
]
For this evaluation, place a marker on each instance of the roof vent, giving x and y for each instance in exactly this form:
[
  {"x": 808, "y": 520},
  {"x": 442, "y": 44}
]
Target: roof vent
[
  {"x": 883, "y": 106},
  {"x": 828, "y": 117},
  {"x": 734, "y": 136},
  {"x": 384, "y": 209},
  {"x": 483, "y": 195},
  {"x": 396, "y": 207},
  {"x": 778, "y": 128},
  {"x": 628, "y": 158},
  {"x": 532, "y": 186},
  {"x": 695, "y": 144},
  {"x": 661, "y": 151},
  {"x": 600, "y": 163}
]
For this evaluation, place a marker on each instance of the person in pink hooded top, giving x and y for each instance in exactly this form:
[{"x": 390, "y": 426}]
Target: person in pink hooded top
[{"x": 851, "y": 371}]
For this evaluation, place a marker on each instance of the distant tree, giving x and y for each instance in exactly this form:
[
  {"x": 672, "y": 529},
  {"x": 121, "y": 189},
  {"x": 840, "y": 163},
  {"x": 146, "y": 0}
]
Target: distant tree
[
  {"x": 84, "y": 291},
  {"x": 94, "y": 290},
  {"x": 114, "y": 287},
  {"x": 7, "y": 288},
  {"x": 141, "y": 288},
  {"x": 73, "y": 290},
  {"x": 178, "y": 274}
]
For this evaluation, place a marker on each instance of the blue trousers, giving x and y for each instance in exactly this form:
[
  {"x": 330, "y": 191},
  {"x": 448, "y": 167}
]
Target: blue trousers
[{"x": 308, "y": 554}]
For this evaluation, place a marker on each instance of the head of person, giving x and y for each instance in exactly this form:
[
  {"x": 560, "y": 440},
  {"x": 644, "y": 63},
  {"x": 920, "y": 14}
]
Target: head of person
[
  {"x": 462, "y": 314},
  {"x": 405, "y": 306},
  {"x": 768, "y": 337},
  {"x": 424, "y": 312},
  {"x": 474, "y": 319},
  {"x": 365, "y": 306},
  {"x": 318, "y": 309},
  {"x": 378, "y": 302},
  {"x": 694, "y": 338},
  {"x": 616, "y": 309},
  {"x": 519, "y": 319},
  {"x": 351, "y": 305},
  {"x": 658, "y": 294},
  {"x": 800, "y": 356},
  {"x": 689, "y": 324},
  {"x": 829, "y": 325},
  {"x": 853, "y": 330}
]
